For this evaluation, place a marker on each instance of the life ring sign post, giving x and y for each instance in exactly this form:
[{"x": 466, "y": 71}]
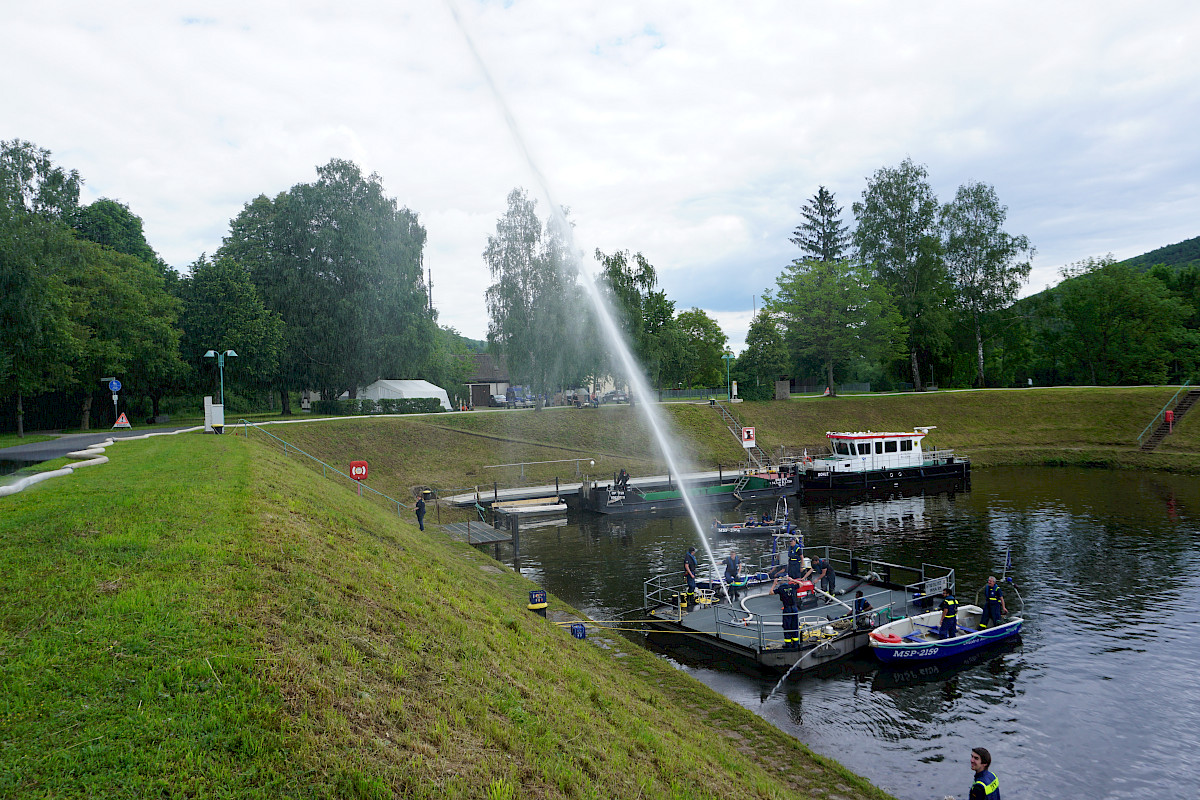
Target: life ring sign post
[{"x": 358, "y": 471}]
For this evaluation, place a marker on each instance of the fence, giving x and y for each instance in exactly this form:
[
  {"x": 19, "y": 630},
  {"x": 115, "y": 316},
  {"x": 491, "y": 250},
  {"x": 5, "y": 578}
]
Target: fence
[{"x": 326, "y": 469}]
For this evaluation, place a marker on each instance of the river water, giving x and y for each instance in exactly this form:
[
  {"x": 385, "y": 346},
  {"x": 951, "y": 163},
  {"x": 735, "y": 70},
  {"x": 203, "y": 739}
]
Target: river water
[{"x": 1100, "y": 698}]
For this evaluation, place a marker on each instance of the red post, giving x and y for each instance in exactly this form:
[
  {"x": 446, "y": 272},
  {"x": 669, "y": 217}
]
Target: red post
[{"x": 1170, "y": 420}]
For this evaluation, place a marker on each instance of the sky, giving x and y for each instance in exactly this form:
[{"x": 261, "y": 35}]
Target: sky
[{"x": 692, "y": 132}]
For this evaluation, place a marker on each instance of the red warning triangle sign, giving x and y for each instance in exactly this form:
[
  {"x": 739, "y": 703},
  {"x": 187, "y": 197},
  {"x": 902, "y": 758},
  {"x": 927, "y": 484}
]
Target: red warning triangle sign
[{"x": 122, "y": 422}]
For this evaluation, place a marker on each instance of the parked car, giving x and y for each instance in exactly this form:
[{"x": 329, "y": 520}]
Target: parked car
[
  {"x": 616, "y": 397},
  {"x": 497, "y": 401}
]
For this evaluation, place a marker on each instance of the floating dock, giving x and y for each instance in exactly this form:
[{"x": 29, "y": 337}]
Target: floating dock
[{"x": 752, "y": 628}]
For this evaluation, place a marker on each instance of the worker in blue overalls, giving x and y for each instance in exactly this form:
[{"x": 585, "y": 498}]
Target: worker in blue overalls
[
  {"x": 993, "y": 603},
  {"x": 986, "y": 785},
  {"x": 796, "y": 557},
  {"x": 690, "y": 568},
  {"x": 949, "y": 609},
  {"x": 786, "y": 589}
]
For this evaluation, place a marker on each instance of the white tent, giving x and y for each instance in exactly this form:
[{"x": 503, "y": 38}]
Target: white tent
[{"x": 398, "y": 390}]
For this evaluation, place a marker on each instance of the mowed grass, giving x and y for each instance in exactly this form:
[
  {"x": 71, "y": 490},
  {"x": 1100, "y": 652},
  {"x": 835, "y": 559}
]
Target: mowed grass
[
  {"x": 201, "y": 617},
  {"x": 1073, "y": 426}
]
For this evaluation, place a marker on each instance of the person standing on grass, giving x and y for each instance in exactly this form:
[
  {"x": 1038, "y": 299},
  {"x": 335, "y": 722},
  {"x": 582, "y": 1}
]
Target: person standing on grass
[{"x": 421, "y": 511}]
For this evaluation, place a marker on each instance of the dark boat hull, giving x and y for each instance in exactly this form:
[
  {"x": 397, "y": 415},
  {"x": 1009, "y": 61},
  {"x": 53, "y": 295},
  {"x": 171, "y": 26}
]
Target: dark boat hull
[{"x": 824, "y": 484}]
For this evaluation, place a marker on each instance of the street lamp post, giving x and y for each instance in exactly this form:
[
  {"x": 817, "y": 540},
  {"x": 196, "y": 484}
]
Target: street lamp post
[
  {"x": 221, "y": 368},
  {"x": 728, "y": 386}
]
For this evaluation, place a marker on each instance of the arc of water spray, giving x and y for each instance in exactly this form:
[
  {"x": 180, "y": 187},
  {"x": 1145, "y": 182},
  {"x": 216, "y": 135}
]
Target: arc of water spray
[{"x": 612, "y": 332}]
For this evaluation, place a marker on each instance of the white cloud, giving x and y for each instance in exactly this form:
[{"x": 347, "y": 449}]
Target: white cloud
[{"x": 691, "y": 131}]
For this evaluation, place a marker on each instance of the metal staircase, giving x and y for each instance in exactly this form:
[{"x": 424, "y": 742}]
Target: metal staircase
[
  {"x": 758, "y": 458},
  {"x": 1181, "y": 408}
]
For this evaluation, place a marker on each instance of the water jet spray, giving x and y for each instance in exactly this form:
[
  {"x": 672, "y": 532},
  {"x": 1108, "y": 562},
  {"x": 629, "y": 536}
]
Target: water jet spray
[{"x": 612, "y": 332}]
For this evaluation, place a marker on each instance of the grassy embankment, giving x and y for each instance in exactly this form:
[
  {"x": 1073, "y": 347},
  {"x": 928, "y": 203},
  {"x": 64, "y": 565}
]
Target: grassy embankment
[
  {"x": 200, "y": 617},
  {"x": 1081, "y": 427}
]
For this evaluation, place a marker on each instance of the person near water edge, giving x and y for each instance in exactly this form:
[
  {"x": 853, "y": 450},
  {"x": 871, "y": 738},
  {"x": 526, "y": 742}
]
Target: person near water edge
[
  {"x": 733, "y": 571},
  {"x": 795, "y": 565},
  {"x": 690, "y": 567},
  {"x": 786, "y": 589},
  {"x": 986, "y": 785},
  {"x": 862, "y": 607},
  {"x": 993, "y": 603},
  {"x": 949, "y": 609}
]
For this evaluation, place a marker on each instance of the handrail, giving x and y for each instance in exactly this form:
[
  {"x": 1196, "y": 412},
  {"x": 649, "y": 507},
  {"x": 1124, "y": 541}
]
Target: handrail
[
  {"x": 1161, "y": 412},
  {"x": 524, "y": 464},
  {"x": 247, "y": 425}
]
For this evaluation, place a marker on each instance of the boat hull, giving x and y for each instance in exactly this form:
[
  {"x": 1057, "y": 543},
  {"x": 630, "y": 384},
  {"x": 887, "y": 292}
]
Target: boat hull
[
  {"x": 918, "y": 645},
  {"x": 815, "y": 484}
]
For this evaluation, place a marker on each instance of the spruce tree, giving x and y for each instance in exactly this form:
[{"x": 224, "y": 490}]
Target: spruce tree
[{"x": 822, "y": 236}]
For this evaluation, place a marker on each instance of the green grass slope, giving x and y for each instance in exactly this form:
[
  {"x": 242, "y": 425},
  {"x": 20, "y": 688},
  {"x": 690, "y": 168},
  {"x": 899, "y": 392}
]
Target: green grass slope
[
  {"x": 1068, "y": 426},
  {"x": 202, "y": 617}
]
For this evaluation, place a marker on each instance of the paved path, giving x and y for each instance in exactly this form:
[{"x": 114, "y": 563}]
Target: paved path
[{"x": 70, "y": 442}]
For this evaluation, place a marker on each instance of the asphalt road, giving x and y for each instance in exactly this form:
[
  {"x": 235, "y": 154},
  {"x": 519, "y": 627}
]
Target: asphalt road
[{"x": 67, "y": 443}]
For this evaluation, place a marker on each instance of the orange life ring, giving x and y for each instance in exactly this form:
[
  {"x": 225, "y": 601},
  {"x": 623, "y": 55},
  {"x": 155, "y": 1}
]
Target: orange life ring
[{"x": 886, "y": 638}]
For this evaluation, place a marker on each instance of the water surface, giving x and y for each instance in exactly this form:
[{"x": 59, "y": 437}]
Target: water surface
[{"x": 1101, "y": 696}]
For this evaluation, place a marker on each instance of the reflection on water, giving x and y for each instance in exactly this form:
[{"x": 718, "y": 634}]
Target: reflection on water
[{"x": 1098, "y": 698}]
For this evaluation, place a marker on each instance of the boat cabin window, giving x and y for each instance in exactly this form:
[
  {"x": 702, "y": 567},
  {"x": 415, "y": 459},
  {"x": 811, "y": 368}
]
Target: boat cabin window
[
  {"x": 890, "y": 446},
  {"x": 864, "y": 448},
  {"x": 878, "y": 448},
  {"x": 905, "y": 445},
  {"x": 842, "y": 449}
]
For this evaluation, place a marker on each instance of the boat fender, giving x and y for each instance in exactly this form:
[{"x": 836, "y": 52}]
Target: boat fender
[{"x": 886, "y": 638}]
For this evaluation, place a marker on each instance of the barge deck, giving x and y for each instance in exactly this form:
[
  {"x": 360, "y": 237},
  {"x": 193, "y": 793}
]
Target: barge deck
[{"x": 752, "y": 628}]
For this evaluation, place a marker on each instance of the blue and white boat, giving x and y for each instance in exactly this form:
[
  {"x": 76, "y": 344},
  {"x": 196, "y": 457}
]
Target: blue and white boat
[{"x": 915, "y": 639}]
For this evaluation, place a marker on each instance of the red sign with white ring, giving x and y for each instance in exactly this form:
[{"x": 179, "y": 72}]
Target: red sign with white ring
[{"x": 358, "y": 470}]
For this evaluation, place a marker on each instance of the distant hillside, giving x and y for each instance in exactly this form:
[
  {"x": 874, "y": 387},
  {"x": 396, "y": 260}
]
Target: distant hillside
[{"x": 1183, "y": 254}]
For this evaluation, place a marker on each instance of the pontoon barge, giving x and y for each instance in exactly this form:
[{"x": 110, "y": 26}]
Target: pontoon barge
[{"x": 752, "y": 628}]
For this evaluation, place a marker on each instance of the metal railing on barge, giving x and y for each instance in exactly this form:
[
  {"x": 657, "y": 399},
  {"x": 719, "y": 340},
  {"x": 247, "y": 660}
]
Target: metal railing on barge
[{"x": 921, "y": 585}]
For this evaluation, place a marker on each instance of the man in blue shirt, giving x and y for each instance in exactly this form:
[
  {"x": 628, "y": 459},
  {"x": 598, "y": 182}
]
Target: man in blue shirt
[
  {"x": 993, "y": 604},
  {"x": 690, "y": 568},
  {"x": 786, "y": 589},
  {"x": 949, "y": 609},
  {"x": 733, "y": 571},
  {"x": 986, "y": 785}
]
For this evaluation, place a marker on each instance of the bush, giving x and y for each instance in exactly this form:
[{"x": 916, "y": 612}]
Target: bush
[{"x": 407, "y": 405}]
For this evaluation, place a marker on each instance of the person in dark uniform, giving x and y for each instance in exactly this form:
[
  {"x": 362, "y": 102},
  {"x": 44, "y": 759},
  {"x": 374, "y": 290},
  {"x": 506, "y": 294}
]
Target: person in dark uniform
[
  {"x": 862, "y": 608},
  {"x": 733, "y": 572},
  {"x": 824, "y": 572},
  {"x": 421, "y": 510},
  {"x": 993, "y": 603},
  {"x": 986, "y": 785},
  {"x": 949, "y": 609},
  {"x": 796, "y": 557},
  {"x": 786, "y": 589},
  {"x": 690, "y": 568}
]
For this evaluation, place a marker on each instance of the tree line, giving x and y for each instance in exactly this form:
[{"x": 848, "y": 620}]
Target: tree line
[
  {"x": 320, "y": 287},
  {"x": 922, "y": 293}
]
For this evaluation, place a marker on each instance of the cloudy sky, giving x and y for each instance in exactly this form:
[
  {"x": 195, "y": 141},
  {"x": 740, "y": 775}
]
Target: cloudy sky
[{"x": 690, "y": 131}]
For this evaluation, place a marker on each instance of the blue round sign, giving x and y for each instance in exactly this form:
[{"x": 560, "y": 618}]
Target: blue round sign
[{"x": 114, "y": 385}]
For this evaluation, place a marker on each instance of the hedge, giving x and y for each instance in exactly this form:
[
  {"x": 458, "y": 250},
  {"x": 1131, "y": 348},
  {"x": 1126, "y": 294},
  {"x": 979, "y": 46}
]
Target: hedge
[{"x": 406, "y": 405}]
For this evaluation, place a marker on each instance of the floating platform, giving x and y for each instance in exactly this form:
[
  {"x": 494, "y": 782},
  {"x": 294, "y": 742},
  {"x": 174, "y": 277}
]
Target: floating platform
[
  {"x": 476, "y": 533},
  {"x": 752, "y": 628}
]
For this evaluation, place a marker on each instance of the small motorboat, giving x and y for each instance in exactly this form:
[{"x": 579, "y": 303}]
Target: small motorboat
[
  {"x": 915, "y": 639},
  {"x": 752, "y": 524}
]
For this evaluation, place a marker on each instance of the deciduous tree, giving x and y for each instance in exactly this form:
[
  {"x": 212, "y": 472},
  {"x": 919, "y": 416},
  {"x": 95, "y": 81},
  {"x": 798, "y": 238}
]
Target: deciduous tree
[
  {"x": 835, "y": 312},
  {"x": 897, "y": 235},
  {"x": 986, "y": 264}
]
